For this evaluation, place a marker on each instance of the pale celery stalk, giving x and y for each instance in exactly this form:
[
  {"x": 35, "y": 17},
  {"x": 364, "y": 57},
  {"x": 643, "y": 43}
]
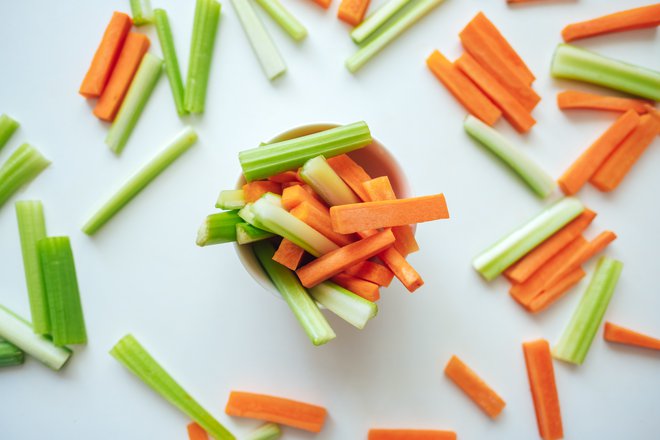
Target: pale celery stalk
[
  {"x": 533, "y": 175},
  {"x": 24, "y": 164},
  {"x": 376, "y": 20},
  {"x": 142, "y": 13},
  {"x": 246, "y": 234},
  {"x": 218, "y": 228},
  {"x": 10, "y": 354},
  {"x": 230, "y": 199},
  {"x": 502, "y": 254},
  {"x": 324, "y": 180},
  {"x": 574, "y": 343},
  {"x": 301, "y": 304},
  {"x": 179, "y": 145},
  {"x": 268, "y": 431},
  {"x": 284, "y": 18},
  {"x": 171, "y": 60},
  {"x": 352, "y": 308},
  {"x": 7, "y": 128}
]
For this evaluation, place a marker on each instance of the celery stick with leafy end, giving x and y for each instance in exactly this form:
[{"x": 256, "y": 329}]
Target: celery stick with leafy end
[
  {"x": 179, "y": 145},
  {"x": 538, "y": 180},
  {"x": 10, "y": 354},
  {"x": 246, "y": 233},
  {"x": 31, "y": 229},
  {"x": 137, "y": 359},
  {"x": 24, "y": 164},
  {"x": 352, "y": 308},
  {"x": 375, "y": 21},
  {"x": 268, "y": 431},
  {"x": 205, "y": 28},
  {"x": 7, "y": 128},
  {"x": 301, "y": 304},
  {"x": 19, "y": 332},
  {"x": 284, "y": 19},
  {"x": 268, "y": 160},
  {"x": 515, "y": 245},
  {"x": 218, "y": 228},
  {"x": 138, "y": 94},
  {"x": 142, "y": 13},
  {"x": 397, "y": 25},
  {"x": 574, "y": 343},
  {"x": 326, "y": 182},
  {"x": 171, "y": 60},
  {"x": 231, "y": 199},
  {"x": 580, "y": 64}
]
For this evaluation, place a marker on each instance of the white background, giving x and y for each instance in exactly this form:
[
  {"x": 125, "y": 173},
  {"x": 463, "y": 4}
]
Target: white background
[{"x": 209, "y": 323}]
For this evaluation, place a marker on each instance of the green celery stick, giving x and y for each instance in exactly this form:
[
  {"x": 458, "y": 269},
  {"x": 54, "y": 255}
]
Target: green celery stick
[
  {"x": 179, "y": 145},
  {"x": 268, "y": 431},
  {"x": 576, "y": 63},
  {"x": 246, "y": 233},
  {"x": 142, "y": 13},
  {"x": 352, "y": 308},
  {"x": 301, "y": 304},
  {"x": 32, "y": 228},
  {"x": 375, "y": 21},
  {"x": 24, "y": 164},
  {"x": 265, "y": 161},
  {"x": 7, "y": 128},
  {"x": 136, "y": 98},
  {"x": 218, "y": 228},
  {"x": 10, "y": 354},
  {"x": 137, "y": 359},
  {"x": 326, "y": 183},
  {"x": 515, "y": 245},
  {"x": 574, "y": 343},
  {"x": 19, "y": 332},
  {"x": 231, "y": 199},
  {"x": 171, "y": 60},
  {"x": 284, "y": 18}
]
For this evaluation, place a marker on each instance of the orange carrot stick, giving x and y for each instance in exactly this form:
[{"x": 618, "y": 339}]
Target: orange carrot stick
[
  {"x": 480, "y": 393},
  {"x": 106, "y": 55},
  {"x": 351, "y": 173},
  {"x": 370, "y": 271},
  {"x": 352, "y": 11},
  {"x": 572, "y": 99},
  {"x": 254, "y": 190},
  {"x": 410, "y": 434},
  {"x": 618, "y": 164},
  {"x": 289, "y": 254},
  {"x": 196, "y": 432},
  {"x": 464, "y": 90},
  {"x": 325, "y": 4},
  {"x": 401, "y": 269},
  {"x": 531, "y": 262},
  {"x": 556, "y": 291},
  {"x": 593, "y": 157},
  {"x": 365, "y": 289},
  {"x": 288, "y": 184},
  {"x": 320, "y": 220},
  {"x": 541, "y": 375},
  {"x": 637, "y": 18},
  {"x": 286, "y": 176},
  {"x": 339, "y": 260},
  {"x": 277, "y": 410},
  {"x": 135, "y": 47},
  {"x": 356, "y": 217},
  {"x": 294, "y": 195},
  {"x": 622, "y": 335}
]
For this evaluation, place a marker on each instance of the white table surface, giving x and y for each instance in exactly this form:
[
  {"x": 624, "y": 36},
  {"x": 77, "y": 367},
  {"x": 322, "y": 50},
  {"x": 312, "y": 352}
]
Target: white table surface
[{"x": 215, "y": 330}]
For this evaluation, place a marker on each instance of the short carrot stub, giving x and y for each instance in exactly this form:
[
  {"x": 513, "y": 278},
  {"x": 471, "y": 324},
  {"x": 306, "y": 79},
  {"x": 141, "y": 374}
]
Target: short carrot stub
[
  {"x": 468, "y": 381},
  {"x": 410, "y": 434},
  {"x": 288, "y": 254},
  {"x": 366, "y": 289},
  {"x": 370, "y": 271},
  {"x": 573, "y": 99},
  {"x": 622, "y": 335},
  {"x": 320, "y": 220},
  {"x": 254, "y": 190},
  {"x": 196, "y": 432},
  {"x": 352, "y": 11},
  {"x": 637, "y": 18},
  {"x": 351, "y": 173}
]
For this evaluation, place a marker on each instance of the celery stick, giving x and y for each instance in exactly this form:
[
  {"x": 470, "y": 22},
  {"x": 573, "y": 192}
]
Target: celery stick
[
  {"x": 10, "y": 354},
  {"x": 322, "y": 178},
  {"x": 268, "y": 431},
  {"x": 179, "y": 145},
  {"x": 218, "y": 228},
  {"x": 137, "y": 359},
  {"x": 302, "y": 305},
  {"x": 230, "y": 199},
  {"x": 574, "y": 343},
  {"x": 271, "y": 159},
  {"x": 142, "y": 13},
  {"x": 136, "y": 98},
  {"x": 263, "y": 46},
  {"x": 246, "y": 233},
  {"x": 396, "y": 26},
  {"x": 7, "y": 128},
  {"x": 24, "y": 164},
  {"x": 352, "y": 308},
  {"x": 576, "y": 63},
  {"x": 31, "y": 229},
  {"x": 537, "y": 179},
  {"x": 19, "y": 332},
  {"x": 284, "y": 18},
  {"x": 375, "y": 21},
  {"x": 502, "y": 254},
  {"x": 171, "y": 60},
  {"x": 205, "y": 27}
]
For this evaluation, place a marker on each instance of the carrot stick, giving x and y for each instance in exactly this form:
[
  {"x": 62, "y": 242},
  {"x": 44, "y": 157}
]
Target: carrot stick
[
  {"x": 512, "y": 109},
  {"x": 618, "y": 164},
  {"x": 351, "y": 173},
  {"x": 593, "y": 157},
  {"x": 352, "y": 11},
  {"x": 294, "y": 195},
  {"x": 339, "y": 260},
  {"x": 196, "y": 432},
  {"x": 325, "y": 4},
  {"x": 288, "y": 184},
  {"x": 531, "y": 262},
  {"x": 401, "y": 269},
  {"x": 480, "y": 393},
  {"x": 135, "y": 47},
  {"x": 370, "y": 271},
  {"x": 254, "y": 190},
  {"x": 556, "y": 291},
  {"x": 285, "y": 177},
  {"x": 637, "y": 18},
  {"x": 320, "y": 220},
  {"x": 106, "y": 55},
  {"x": 541, "y": 375},
  {"x": 277, "y": 410},
  {"x": 410, "y": 434},
  {"x": 360, "y": 287},
  {"x": 572, "y": 99},
  {"x": 289, "y": 254},
  {"x": 464, "y": 90},
  {"x": 622, "y": 335}
]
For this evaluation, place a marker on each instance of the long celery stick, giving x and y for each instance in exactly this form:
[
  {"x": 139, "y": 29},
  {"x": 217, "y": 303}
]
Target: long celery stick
[
  {"x": 137, "y": 359},
  {"x": 171, "y": 60},
  {"x": 231, "y": 199},
  {"x": 324, "y": 180},
  {"x": 376, "y": 20},
  {"x": 352, "y": 308},
  {"x": 301, "y": 304},
  {"x": 538, "y": 180},
  {"x": 502, "y": 254},
  {"x": 24, "y": 164},
  {"x": 19, "y": 332},
  {"x": 218, "y": 228},
  {"x": 576, "y": 63},
  {"x": 7, "y": 128},
  {"x": 32, "y": 228},
  {"x": 397, "y": 25},
  {"x": 10, "y": 354},
  {"x": 246, "y": 233},
  {"x": 284, "y": 18},
  {"x": 142, "y": 13},
  {"x": 271, "y": 159},
  {"x": 205, "y": 27},
  {"x": 574, "y": 343},
  {"x": 268, "y": 431},
  {"x": 179, "y": 145},
  {"x": 136, "y": 98}
]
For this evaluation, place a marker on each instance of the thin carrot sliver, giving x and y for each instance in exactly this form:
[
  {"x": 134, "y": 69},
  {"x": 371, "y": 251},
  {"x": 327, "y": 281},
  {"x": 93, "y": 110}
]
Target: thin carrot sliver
[
  {"x": 288, "y": 254},
  {"x": 254, "y": 190},
  {"x": 370, "y": 271},
  {"x": 636, "y": 18},
  {"x": 196, "y": 432},
  {"x": 320, "y": 220},
  {"x": 351, "y": 173},
  {"x": 573, "y": 99},
  {"x": 365, "y": 289},
  {"x": 285, "y": 177},
  {"x": 293, "y": 196},
  {"x": 352, "y": 11},
  {"x": 622, "y": 335},
  {"x": 410, "y": 434},
  {"x": 480, "y": 393},
  {"x": 550, "y": 295},
  {"x": 277, "y": 410},
  {"x": 464, "y": 90}
]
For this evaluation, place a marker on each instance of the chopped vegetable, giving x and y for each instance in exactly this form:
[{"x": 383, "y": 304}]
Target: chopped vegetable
[
  {"x": 171, "y": 60},
  {"x": 472, "y": 385},
  {"x": 326, "y": 183},
  {"x": 320, "y": 220},
  {"x": 289, "y": 254},
  {"x": 284, "y": 19},
  {"x": 352, "y": 11},
  {"x": 267, "y": 431},
  {"x": 218, "y": 228},
  {"x": 246, "y": 233},
  {"x": 377, "y": 20},
  {"x": 295, "y": 195},
  {"x": 325, "y": 4},
  {"x": 556, "y": 291},
  {"x": 10, "y": 354},
  {"x": 142, "y": 13},
  {"x": 351, "y": 173},
  {"x": 572, "y": 99},
  {"x": 410, "y": 434},
  {"x": 370, "y": 271},
  {"x": 401, "y": 269},
  {"x": 22, "y": 166},
  {"x": 254, "y": 190},
  {"x": 231, "y": 199},
  {"x": 352, "y": 308},
  {"x": 365, "y": 289},
  {"x": 7, "y": 128},
  {"x": 285, "y": 177},
  {"x": 622, "y": 335},
  {"x": 196, "y": 432},
  {"x": 636, "y": 18}
]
